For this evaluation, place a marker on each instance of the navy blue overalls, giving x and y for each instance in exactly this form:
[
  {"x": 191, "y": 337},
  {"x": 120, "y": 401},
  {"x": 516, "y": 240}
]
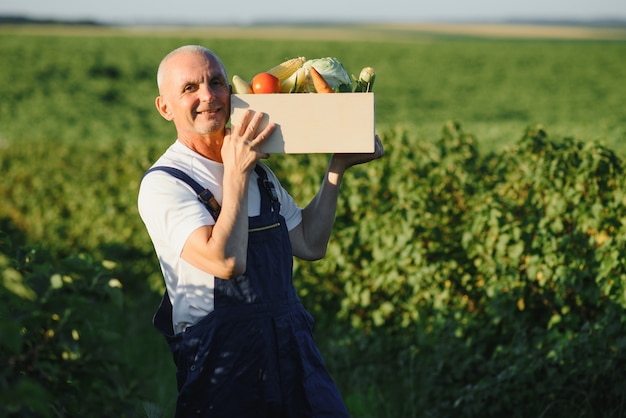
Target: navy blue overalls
[{"x": 254, "y": 355}]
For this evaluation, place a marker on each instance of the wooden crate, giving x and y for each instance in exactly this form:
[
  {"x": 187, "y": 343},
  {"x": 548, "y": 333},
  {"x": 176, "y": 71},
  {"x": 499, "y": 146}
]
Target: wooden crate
[{"x": 311, "y": 122}]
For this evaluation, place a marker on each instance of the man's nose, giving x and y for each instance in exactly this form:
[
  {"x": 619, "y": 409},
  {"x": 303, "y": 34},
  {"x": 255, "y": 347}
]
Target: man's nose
[{"x": 205, "y": 92}]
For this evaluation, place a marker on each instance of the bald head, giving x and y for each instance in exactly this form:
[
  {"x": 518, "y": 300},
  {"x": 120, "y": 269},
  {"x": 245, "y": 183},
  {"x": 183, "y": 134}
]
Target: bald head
[{"x": 184, "y": 50}]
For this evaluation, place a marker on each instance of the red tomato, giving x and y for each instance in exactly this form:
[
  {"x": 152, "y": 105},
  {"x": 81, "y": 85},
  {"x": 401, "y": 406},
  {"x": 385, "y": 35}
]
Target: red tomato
[{"x": 264, "y": 83}]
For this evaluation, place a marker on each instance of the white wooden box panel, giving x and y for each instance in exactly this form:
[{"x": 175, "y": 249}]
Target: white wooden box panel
[{"x": 312, "y": 122}]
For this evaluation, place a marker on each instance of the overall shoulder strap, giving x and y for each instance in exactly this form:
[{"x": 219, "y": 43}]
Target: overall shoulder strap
[
  {"x": 204, "y": 195},
  {"x": 269, "y": 196},
  {"x": 265, "y": 184}
]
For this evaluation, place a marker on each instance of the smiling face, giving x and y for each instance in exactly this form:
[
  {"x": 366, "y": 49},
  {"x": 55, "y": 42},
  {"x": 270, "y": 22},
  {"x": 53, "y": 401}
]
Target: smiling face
[{"x": 195, "y": 95}]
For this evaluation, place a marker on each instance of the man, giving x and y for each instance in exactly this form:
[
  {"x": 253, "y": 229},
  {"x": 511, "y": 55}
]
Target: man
[{"x": 239, "y": 335}]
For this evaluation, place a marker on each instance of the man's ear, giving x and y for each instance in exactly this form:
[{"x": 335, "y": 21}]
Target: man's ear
[{"x": 163, "y": 108}]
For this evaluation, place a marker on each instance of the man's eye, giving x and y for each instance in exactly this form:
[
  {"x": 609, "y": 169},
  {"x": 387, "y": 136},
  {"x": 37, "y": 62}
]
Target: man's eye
[{"x": 189, "y": 87}]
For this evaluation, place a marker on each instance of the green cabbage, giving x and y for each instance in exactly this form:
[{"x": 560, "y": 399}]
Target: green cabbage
[{"x": 333, "y": 72}]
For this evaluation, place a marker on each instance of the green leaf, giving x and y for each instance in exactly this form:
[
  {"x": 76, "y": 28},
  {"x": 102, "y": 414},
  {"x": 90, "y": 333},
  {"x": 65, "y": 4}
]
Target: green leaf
[{"x": 13, "y": 281}]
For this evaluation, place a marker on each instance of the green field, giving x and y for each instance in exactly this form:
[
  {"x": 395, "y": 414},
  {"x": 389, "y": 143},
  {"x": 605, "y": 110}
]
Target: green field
[
  {"x": 477, "y": 270},
  {"x": 494, "y": 87}
]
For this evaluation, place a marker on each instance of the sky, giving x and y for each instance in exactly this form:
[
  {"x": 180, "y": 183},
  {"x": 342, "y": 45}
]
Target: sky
[{"x": 243, "y": 12}]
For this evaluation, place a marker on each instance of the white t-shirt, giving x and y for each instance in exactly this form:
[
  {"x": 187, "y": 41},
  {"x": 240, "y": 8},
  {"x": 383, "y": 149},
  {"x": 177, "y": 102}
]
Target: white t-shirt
[{"x": 171, "y": 212}]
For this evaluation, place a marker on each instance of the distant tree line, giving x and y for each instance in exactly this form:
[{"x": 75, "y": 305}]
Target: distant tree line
[{"x": 22, "y": 20}]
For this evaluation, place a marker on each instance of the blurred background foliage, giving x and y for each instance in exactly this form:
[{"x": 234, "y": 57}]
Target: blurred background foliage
[{"x": 477, "y": 270}]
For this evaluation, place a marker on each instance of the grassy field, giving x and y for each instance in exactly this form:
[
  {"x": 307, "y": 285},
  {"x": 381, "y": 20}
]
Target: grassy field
[
  {"x": 494, "y": 80},
  {"x": 78, "y": 127}
]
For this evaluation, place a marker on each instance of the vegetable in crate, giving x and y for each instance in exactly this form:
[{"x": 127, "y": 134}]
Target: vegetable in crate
[
  {"x": 333, "y": 72},
  {"x": 365, "y": 82},
  {"x": 296, "y": 82},
  {"x": 285, "y": 69},
  {"x": 282, "y": 72},
  {"x": 320, "y": 84},
  {"x": 265, "y": 83},
  {"x": 241, "y": 86},
  {"x": 299, "y": 75}
]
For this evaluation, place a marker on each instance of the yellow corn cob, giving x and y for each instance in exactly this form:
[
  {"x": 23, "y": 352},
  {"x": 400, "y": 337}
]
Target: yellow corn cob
[
  {"x": 295, "y": 82},
  {"x": 285, "y": 69}
]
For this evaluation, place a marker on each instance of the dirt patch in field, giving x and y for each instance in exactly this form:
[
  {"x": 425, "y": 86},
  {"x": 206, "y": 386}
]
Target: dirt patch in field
[
  {"x": 362, "y": 32},
  {"x": 513, "y": 31}
]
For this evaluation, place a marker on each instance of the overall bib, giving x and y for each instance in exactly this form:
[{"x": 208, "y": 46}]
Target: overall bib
[{"x": 254, "y": 355}]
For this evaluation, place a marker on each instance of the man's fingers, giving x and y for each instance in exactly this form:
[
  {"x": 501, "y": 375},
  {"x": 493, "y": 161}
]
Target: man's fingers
[
  {"x": 255, "y": 123},
  {"x": 245, "y": 122},
  {"x": 265, "y": 133}
]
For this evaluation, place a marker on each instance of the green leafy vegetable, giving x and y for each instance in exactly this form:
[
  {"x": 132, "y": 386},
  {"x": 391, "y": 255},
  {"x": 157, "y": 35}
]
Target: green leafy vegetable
[{"x": 333, "y": 72}]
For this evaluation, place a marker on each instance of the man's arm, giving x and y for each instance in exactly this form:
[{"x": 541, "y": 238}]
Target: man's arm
[
  {"x": 221, "y": 249},
  {"x": 309, "y": 239}
]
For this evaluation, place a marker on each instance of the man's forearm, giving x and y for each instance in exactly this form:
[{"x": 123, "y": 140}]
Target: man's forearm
[
  {"x": 230, "y": 232},
  {"x": 318, "y": 217}
]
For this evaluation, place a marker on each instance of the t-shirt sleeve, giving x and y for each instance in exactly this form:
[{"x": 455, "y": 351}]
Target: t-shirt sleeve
[{"x": 170, "y": 210}]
